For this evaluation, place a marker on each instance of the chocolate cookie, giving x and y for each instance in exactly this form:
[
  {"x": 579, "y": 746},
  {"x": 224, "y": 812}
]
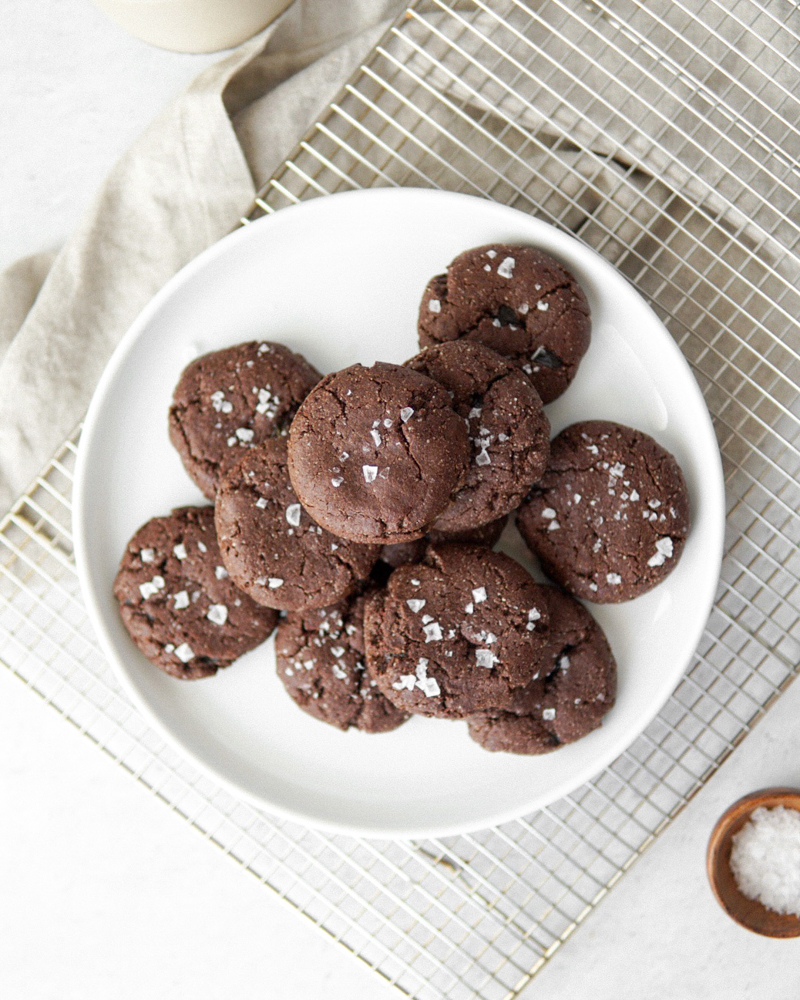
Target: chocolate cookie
[
  {"x": 271, "y": 547},
  {"x": 610, "y": 517},
  {"x": 520, "y": 302},
  {"x": 375, "y": 453},
  {"x": 320, "y": 659},
  {"x": 508, "y": 430},
  {"x": 573, "y": 690},
  {"x": 177, "y": 601},
  {"x": 410, "y": 552},
  {"x": 457, "y": 633},
  {"x": 233, "y": 399}
]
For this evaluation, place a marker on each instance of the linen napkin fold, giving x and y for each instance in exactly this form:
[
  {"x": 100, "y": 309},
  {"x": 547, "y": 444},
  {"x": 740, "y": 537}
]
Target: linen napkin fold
[{"x": 183, "y": 185}]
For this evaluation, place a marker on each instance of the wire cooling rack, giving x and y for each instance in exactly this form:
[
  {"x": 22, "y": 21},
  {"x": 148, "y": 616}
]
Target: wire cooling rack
[{"x": 664, "y": 135}]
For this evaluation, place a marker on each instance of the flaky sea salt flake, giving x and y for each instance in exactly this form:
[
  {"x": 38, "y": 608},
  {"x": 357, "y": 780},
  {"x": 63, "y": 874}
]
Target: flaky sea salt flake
[
  {"x": 184, "y": 652},
  {"x": 664, "y": 550},
  {"x": 407, "y": 682},
  {"x": 484, "y": 658},
  {"x": 218, "y": 614},
  {"x": 151, "y": 587},
  {"x": 506, "y": 267},
  {"x": 220, "y": 403},
  {"x": 433, "y": 632}
]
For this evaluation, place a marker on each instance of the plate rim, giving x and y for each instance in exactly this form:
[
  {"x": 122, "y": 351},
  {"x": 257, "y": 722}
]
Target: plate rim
[{"x": 96, "y": 616}]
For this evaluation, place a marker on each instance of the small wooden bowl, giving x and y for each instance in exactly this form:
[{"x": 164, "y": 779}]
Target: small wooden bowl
[{"x": 747, "y": 912}]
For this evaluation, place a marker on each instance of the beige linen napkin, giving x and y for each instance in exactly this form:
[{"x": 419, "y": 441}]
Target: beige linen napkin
[{"x": 183, "y": 185}]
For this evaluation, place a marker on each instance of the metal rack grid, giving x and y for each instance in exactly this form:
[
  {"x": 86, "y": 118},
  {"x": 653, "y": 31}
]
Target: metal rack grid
[{"x": 666, "y": 137}]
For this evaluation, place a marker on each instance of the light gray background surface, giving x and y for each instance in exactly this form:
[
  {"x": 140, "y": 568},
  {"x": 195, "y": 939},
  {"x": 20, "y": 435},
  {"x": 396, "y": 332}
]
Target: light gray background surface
[{"x": 103, "y": 892}]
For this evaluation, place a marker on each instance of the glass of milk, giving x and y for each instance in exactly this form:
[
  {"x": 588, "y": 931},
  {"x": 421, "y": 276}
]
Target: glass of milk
[{"x": 193, "y": 25}]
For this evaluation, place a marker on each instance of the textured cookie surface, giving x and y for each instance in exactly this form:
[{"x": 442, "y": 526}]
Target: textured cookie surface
[
  {"x": 508, "y": 430},
  {"x": 320, "y": 659},
  {"x": 457, "y": 633},
  {"x": 375, "y": 453},
  {"x": 270, "y": 545},
  {"x": 610, "y": 517},
  {"x": 517, "y": 300},
  {"x": 177, "y": 601},
  {"x": 574, "y": 688},
  {"x": 234, "y": 399}
]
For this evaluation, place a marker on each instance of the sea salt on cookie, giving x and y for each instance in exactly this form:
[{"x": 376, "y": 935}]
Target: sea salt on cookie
[
  {"x": 457, "y": 633},
  {"x": 321, "y": 661},
  {"x": 234, "y": 399},
  {"x": 572, "y": 691},
  {"x": 520, "y": 302},
  {"x": 178, "y": 602},
  {"x": 609, "y": 519},
  {"x": 376, "y": 453},
  {"x": 508, "y": 430},
  {"x": 271, "y": 547}
]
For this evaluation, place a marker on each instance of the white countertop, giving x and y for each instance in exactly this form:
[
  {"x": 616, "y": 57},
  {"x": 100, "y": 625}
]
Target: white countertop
[{"x": 105, "y": 893}]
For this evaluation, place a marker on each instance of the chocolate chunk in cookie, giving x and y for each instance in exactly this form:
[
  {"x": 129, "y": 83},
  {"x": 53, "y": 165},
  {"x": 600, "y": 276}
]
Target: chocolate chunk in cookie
[
  {"x": 272, "y": 548},
  {"x": 508, "y": 430},
  {"x": 320, "y": 659},
  {"x": 610, "y": 517},
  {"x": 457, "y": 633},
  {"x": 571, "y": 693},
  {"x": 375, "y": 453},
  {"x": 179, "y": 604},
  {"x": 234, "y": 399},
  {"x": 520, "y": 302}
]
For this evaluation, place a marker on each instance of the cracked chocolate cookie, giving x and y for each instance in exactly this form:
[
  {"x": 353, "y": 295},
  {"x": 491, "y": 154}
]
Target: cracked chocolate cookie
[
  {"x": 568, "y": 697},
  {"x": 610, "y": 517},
  {"x": 508, "y": 430},
  {"x": 320, "y": 660},
  {"x": 457, "y": 633},
  {"x": 177, "y": 601},
  {"x": 520, "y": 302},
  {"x": 234, "y": 399},
  {"x": 271, "y": 547},
  {"x": 376, "y": 453}
]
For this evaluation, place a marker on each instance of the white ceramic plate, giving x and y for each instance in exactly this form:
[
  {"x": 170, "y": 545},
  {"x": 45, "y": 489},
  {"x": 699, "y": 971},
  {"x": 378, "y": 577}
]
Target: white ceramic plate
[{"x": 339, "y": 279}]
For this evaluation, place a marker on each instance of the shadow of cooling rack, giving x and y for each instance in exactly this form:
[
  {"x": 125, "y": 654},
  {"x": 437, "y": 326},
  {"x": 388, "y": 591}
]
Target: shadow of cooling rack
[{"x": 662, "y": 136}]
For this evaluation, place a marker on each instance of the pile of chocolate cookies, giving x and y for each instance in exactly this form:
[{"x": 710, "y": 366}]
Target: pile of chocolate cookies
[{"x": 356, "y": 512}]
